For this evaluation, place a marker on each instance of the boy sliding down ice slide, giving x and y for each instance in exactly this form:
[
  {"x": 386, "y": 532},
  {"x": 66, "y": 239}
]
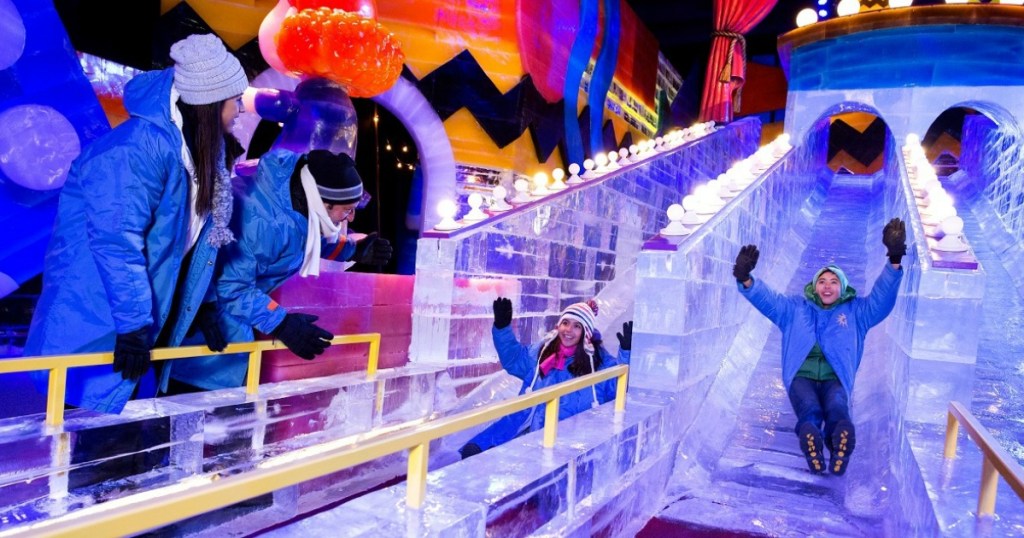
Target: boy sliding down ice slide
[{"x": 822, "y": 344}]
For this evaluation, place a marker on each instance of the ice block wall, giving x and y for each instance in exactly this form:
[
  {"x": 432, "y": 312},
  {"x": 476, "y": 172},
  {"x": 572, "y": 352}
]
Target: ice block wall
[
  {"x": 565, "y": 248},
  {"x": 687, "y": 308},
  {"x": 346, "y": 303},
  {"x": 943, "y": 316}
]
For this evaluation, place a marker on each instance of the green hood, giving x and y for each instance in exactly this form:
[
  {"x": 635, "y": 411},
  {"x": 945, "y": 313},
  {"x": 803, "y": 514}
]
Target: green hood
[{"x": 848, "y": 291}]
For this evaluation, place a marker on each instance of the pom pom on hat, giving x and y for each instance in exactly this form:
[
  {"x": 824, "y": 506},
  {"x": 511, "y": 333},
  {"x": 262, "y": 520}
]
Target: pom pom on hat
[
  {"x": 336, "y": 177},
  {"x": 205, "y": 72}
]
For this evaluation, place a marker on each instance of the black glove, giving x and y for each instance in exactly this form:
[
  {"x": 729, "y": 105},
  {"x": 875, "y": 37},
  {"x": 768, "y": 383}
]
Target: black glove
[
  {"x": 131, "y": 354},
  {"x": 208, "y": 322},
  {"x": 372, "y": 250},
  {"x": 302, "y": 337},
  {"x": 746, "y": 260},
  {"x": 894, "y": 236},
  {"x": 502, "y": 312},
  {"x": 626, "y": 336}
]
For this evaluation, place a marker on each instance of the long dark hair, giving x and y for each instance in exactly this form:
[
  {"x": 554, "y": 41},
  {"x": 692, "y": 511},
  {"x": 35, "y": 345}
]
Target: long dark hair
[
  {"x": 580, "y": 364},
  {"x": 299, "y": 202},
  {"x": 205, "y": 135}
]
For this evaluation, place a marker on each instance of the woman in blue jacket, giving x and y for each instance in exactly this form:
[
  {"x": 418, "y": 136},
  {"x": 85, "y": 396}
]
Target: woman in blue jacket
[
  {"x": 566, "y": 352},
  {"x": 141, "y": 217},
  {"x": 286, "y": 219},
  {"x": 822, "y": 344}
]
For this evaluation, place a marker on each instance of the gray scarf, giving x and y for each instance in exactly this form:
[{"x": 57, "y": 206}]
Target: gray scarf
[{"x": 221, "y": 234}]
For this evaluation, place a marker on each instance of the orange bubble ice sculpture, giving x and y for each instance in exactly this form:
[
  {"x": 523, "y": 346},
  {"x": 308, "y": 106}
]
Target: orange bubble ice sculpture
[
  {"x": 366, "y": 8},
  {"x": 342, "y": 46}
]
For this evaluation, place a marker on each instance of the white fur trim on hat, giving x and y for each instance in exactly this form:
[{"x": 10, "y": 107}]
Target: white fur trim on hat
[{"x": 205, "y": 72}]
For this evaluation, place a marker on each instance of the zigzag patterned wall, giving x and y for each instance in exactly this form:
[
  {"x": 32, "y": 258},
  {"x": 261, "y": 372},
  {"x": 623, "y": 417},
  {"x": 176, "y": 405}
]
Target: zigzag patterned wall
[
  {"x": 857, "y": 140},
  {"x": 462, "y": 83},
  {"x": 485, "y": 121}
]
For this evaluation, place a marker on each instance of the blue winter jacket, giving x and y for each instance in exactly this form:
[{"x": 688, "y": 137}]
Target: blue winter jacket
[
  {"x": 839, "y": 331},
  {"x": 521, "y": 362},
  {"x": 118, "y": 243},
  {"x": 271, "y": 239}
]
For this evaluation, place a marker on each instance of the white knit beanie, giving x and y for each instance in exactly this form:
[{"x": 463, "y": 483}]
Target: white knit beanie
[{"x": 205, "y": 72}]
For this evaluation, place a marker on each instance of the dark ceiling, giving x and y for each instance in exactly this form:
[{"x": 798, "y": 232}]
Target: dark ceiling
[{"x": 683, "y": 28}]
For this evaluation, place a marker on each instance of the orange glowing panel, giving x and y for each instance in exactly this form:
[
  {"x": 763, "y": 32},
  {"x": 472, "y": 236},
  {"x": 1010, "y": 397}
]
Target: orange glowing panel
[{"x": 434, "y": 31}]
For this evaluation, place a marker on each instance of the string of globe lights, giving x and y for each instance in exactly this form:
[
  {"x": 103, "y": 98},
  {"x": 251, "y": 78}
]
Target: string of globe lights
[
  {"x": 706, "y": 199},
  {"x": 939, "y": 219},
  {"x": 544, "y": 184}
]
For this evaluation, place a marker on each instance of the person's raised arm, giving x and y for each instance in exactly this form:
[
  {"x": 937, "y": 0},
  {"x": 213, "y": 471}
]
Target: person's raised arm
[
  {"x": 894, "y": 237},
  {"x": 877, "y": 304},
  {"x": 515, "y": 357},
  {"x": 746, "y": 260},
  {"x": 774, "y": 306}
]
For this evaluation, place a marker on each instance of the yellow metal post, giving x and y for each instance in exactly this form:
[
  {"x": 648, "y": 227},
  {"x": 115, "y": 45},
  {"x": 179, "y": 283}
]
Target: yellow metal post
[
  {"x": 550, "y": 423},
  {"x": 952, "y": 431},
  {"x": 620, "y": 393},
  {"x": 416, "y": 477},
  {"x": 374, "y": 358},
  {"x": 987, "y": 493},
  {"x": 252, "y": 380},
  {"x": 55, "y": 396}
]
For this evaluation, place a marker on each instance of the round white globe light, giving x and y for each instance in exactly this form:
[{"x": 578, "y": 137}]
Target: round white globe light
[
  {"x": 690, "y": 202},
  {"x": 475, "y": 200},
  {"x": 499, "y": 192},
  {"x": 574, "y": 169},
  {"x": 675, "y": 212},
  {"x": 522, "y": 185},
  {"x": 952, "y": 225},
  {"x": 847, "y": 7},
  {"x": 557, "y": 174},
  {"x": 806, "y": 17},
  {"x": 446, "y": 209}
]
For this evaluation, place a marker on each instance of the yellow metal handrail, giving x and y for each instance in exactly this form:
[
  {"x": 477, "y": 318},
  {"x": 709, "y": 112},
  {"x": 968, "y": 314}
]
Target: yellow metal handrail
[
  {"x": 163, "y": 506},
  {"x": 996, "y": 462},
  {"x": 58, "y": 365}
]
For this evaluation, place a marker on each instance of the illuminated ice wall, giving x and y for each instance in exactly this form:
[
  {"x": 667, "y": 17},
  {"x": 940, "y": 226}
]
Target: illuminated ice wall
[{"x": 566, "y": 248}]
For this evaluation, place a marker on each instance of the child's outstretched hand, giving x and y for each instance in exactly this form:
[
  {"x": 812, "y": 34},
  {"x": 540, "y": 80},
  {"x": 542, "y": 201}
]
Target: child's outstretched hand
[
  {"x": 502, "y": 312},
  {"x": 746, "y": 260},
  {"x": 626, "y": 336},
  {"x": 894, "y": 236}
]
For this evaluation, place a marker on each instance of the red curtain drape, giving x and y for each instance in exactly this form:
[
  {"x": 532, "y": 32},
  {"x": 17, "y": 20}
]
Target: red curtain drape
[{"x": 727, "y": 62}]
